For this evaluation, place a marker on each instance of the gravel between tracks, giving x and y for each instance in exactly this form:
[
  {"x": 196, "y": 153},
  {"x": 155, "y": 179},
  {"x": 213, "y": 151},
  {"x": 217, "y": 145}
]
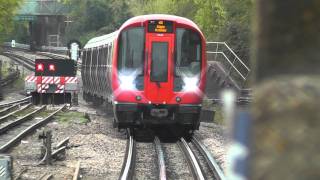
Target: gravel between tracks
[
  {"x": 146, "y": 161},
  {"x": 176, "y": 164},
  {"x": 100, "y": 148}
]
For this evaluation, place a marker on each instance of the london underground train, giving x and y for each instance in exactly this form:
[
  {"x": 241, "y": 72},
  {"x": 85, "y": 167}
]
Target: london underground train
[{"x": 152, "y": 70}]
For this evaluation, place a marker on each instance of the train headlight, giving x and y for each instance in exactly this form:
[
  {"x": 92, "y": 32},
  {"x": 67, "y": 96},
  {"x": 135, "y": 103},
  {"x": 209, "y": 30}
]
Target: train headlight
[
  {"x": 190, "y": 83},
  {"x": 127, "y": 82}
]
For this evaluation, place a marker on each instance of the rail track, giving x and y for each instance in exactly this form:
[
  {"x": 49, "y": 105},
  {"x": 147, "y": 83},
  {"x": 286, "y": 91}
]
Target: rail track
[
  {"x": 9, "y": 79},
  {"x": 20, "y": 101},
  {"x": 26, "y": 62},
  {"x": 14, "y": 129},
  {"x": 201, "y": 163},
  {"x": 52, "y": 55}
]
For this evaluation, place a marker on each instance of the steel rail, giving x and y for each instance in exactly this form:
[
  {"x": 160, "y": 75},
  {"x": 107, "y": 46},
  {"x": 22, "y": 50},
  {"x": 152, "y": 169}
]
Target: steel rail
[
  {"x": 161, "y": 162},
  {"x": 28, "y": 130},
  {"x": 8, "y": 109},
  {"x": 214, "y": 167},
  {"x": 23, "y": 119},
  {"x": 127, "y": 171},
  {"x": 15, "y": 102},
  {"x": 52, "y": 55},
  {"x": 191, "y": 159},
  {"x": 14, "y": 112},
  {"x": 9, "y": 79},
  {"x": 27, "y": 63}
]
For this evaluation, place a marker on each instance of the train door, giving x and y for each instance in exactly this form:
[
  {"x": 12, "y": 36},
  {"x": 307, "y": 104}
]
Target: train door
[{"x": 159, "y": 79}]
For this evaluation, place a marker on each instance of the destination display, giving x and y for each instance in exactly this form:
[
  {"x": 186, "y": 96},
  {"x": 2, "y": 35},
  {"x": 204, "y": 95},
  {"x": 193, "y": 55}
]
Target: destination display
[{"x": 160, "y": 26}]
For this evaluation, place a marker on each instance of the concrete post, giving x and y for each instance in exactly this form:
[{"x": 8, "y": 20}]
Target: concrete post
[{"x": 286, "y": 101}]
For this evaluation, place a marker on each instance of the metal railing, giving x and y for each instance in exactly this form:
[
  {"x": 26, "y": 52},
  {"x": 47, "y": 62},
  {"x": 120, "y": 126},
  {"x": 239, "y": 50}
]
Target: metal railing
[{"x": 235, "y": 67}]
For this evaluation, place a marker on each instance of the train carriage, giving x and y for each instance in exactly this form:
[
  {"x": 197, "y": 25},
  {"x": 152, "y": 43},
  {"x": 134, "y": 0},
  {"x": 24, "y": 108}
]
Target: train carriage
[{"x": 152, "y": 70}]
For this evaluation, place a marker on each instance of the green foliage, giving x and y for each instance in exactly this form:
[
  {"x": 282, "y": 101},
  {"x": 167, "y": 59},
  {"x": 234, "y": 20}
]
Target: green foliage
[
  {"x": 210, "y": 16},
  {"x": 7, "y": 12},
  {"x": 20, "y": 32},
  {"x": 95, "y": 17},
  {"x": 219, "y": 20},
  {"x": 236, "y": 31}
]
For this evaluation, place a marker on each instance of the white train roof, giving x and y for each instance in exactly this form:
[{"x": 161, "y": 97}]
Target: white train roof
[{"x": 101, "y": 40}]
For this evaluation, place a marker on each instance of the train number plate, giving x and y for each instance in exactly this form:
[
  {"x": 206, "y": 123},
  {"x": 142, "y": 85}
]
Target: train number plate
[{"x": 159, "y": 112}]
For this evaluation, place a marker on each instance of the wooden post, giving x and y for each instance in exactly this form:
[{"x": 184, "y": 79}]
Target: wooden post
[
  {"x": 48, "y": 142},
  {"x": 286, "y": 101}
]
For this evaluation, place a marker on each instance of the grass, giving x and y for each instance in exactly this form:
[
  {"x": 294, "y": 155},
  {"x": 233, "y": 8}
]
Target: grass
[
  {"x": 19, "y": 83},
  {"x": 72, "y": 117},
  {"x": 7, "y": 68},
  {"x": 218, "y": 117}
]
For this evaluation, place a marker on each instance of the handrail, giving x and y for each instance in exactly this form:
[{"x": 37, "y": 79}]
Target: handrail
[
  {"x": 224, "y": 43},
  {"x": 232, "y": 65},
  {"x": 236, "y": 59}
]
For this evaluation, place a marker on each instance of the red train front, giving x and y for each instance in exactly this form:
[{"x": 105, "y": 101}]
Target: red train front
[{"x": 155, "y": 71}]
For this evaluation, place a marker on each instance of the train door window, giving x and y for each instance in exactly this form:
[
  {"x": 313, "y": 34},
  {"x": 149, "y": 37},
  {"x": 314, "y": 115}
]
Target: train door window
[
  {"x": 159, "y": 62},
  {"x": 131, "y": 50},
  {"x": 188, "y": 56}
]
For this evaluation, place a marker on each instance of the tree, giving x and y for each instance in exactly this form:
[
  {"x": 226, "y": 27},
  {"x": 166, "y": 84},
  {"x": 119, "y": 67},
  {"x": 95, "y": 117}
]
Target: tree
[
  {"x": 236, "y": 30},
  {"x": 211, "y": 17},
  {"x": 208, "y": 14},
  {"x": 95, "y": 17},
  {"x": 7, "y": 12}
]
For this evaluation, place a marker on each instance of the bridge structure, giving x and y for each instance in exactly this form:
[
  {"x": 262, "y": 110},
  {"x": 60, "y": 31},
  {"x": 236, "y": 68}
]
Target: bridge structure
[{"x": 47, "y": 21}]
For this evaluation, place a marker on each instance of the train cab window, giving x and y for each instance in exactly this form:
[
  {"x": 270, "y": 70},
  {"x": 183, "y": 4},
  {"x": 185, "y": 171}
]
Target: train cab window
[
  {"x": 131, "y": 50},
  {"x": 131, "y": 55},
  {"x": 188, "y": 56}
]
